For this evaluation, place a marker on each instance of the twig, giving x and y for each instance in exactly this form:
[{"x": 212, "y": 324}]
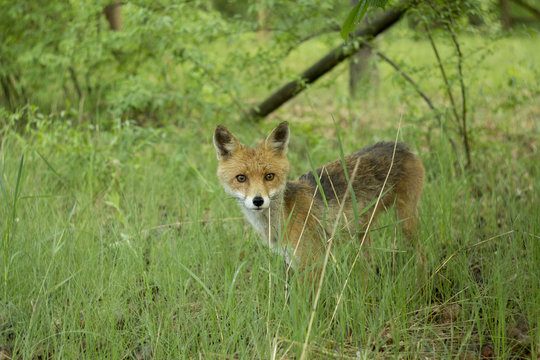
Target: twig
[
  {"x": 7, "y": 94},
  {"x": 331, "y": 28},
  {"x": 488, "y": 240},
  {"x": 416, "y": 88},
  {"x": 463, "y": 91},
  {"x": 405, "y": 76},
  {"x": 445, "y": 78},
  {"x": 75, "y": 82},
  {"x": 461, "y": 131},
  {"x": 189, "y": 222},
  {"x": 531, "y": 234},
  {"x": 452, "y": 256}
]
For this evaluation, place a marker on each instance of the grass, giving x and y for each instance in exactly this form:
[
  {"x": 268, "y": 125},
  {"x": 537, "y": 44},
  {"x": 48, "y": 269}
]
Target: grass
[{"x": 122, "y": 244}]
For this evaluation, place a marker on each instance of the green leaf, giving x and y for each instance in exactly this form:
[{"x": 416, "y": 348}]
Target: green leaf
[
  {"x": 357, "y": 14},
  {"x": 18, "y": 182}
]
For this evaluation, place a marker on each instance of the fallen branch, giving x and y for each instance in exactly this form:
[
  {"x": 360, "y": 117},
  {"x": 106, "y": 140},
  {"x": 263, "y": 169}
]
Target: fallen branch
[
  {"x": 329, "y": 61},
  {"x": 528, "y": 7}
]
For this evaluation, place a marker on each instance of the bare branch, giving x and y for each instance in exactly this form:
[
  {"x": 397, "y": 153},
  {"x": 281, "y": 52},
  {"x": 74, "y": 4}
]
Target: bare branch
[
  {"x": 406, "y": 77},
  {"x": 464, "y": 133},
  {"x": 445, "y": 78}
]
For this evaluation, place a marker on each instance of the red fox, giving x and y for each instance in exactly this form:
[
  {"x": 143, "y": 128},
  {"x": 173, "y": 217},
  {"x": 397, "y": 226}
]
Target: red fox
[{"x": 292, "y": 217}]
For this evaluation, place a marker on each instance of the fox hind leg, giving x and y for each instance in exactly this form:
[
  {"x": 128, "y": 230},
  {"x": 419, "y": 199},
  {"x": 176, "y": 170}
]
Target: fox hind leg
[{"x": 408, "y": 193}]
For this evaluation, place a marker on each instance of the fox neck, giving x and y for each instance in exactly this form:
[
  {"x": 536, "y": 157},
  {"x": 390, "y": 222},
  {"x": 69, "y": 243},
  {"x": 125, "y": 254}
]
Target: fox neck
[{"x": 267, "y": 222}]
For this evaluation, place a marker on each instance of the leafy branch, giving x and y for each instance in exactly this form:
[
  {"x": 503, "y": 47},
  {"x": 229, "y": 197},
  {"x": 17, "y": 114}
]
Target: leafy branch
[{"x": 357, "y": 14}]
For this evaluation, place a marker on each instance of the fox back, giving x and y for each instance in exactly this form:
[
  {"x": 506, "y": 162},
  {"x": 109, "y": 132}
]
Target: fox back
[{"x": 295, "y": 217}]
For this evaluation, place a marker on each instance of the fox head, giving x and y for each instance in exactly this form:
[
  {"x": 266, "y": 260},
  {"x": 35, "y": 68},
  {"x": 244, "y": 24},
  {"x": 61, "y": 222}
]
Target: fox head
[{"x": 254, "y": 176}]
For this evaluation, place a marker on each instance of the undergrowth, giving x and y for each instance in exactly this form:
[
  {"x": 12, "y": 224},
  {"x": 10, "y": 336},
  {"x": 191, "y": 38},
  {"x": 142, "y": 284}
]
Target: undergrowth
[{"x": 121, "y": 242}]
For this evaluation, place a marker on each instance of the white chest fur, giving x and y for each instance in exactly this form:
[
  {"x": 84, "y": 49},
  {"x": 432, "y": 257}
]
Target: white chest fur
[
  {"x": 260, "y": 222},
  {"x": 267, "y": 223}
]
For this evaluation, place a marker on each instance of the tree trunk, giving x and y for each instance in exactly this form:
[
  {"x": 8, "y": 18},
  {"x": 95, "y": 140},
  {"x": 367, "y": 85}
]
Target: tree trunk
[
  {"x": 262, "y": 19},
  {"x": 360, "y": 67},
  {"x": 506, "y": 17},
  {"x": 113, "y": 13}
]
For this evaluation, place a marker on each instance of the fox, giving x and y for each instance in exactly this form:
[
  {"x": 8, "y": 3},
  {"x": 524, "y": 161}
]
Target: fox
[{"x": 295, "y": 217}]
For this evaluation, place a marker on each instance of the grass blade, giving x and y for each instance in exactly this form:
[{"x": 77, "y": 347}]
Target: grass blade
[
  {"x": 233, "y": 282},
  {"x": 50, "y": 167},
  {"x": 317, "y": 178},
  {"x": 18, "y": 182},
  {"x": 4, "y": 192},
  {"x": 351, "y": 190},
  {"x": 197, "y": 279}
]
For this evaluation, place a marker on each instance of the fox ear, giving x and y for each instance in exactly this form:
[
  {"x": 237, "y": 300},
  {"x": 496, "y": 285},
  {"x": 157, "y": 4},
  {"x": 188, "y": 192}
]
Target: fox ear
[
  {"x": 225, "y": 142},
  {"x": 278, "y": 140}
]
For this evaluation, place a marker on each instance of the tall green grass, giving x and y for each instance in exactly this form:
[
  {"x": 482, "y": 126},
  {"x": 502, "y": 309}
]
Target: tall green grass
[
  {"x": 126, "y": 246},
  {"x": 122, "y": 244}
]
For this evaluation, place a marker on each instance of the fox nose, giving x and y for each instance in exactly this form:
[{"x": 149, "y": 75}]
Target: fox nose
[{"x": 258, "y": 201}]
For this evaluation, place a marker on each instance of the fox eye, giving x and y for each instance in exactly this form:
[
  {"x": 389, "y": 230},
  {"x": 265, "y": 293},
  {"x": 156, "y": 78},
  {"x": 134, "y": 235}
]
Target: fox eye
[
  {"x": 241, "y": 178},
  {"x": 269, "y": 177}
]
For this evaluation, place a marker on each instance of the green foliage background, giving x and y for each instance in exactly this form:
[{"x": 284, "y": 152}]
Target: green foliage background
[{"x": 178, "y": 57}]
